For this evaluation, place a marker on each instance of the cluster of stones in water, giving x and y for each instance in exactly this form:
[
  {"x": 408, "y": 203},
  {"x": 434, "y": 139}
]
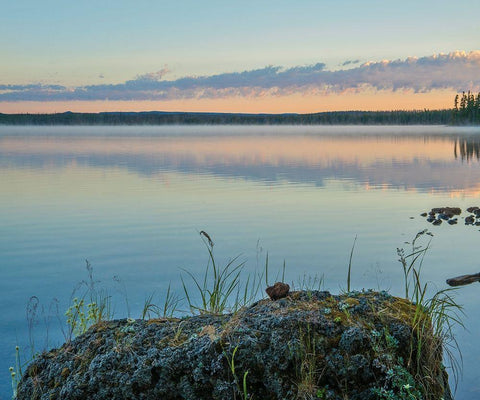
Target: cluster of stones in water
[
  {"x": 439, "y": 214},
  {"x": 473, "y": 219}
]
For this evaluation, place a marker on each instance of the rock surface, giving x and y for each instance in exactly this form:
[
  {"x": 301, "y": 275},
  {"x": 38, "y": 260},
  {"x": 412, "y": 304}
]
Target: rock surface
[
  {"x": 359, "y": 346},
  {"x": 278, "y": 291}
]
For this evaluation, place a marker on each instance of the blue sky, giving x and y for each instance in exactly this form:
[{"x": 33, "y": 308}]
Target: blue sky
[{"x": 81, "y": 43}]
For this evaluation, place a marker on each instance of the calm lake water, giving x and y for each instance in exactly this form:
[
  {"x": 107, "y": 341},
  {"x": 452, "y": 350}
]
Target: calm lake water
[{"x": 132, "y": 200}]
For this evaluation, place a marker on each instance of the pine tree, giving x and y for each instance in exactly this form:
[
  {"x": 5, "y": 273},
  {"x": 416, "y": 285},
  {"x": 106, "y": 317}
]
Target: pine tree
[{"x": 463, "y": 103}]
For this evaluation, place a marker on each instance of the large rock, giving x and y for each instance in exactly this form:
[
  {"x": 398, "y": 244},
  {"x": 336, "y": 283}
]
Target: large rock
[{"x": 307, "y": 345}]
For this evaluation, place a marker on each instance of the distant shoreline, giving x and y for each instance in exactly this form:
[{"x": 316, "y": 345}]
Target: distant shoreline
[{"x": 415, "y": 117}]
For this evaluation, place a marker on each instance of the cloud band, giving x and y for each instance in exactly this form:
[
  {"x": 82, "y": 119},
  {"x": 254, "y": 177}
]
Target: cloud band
[{"x": 456, "y": 71}]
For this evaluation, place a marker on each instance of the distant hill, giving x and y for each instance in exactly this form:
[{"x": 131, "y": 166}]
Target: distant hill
[{"x": 425, "y": 117}]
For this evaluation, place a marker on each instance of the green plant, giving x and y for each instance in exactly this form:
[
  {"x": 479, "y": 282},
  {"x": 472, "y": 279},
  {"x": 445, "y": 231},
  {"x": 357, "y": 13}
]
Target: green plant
[
  {"x": 34, "y": 312},
  {"x": 122, "y": 289},
  {"x": 310, "y": 283},
  {"x": 399, "y": 382},
  {"x": 433, "y": 325},
  {"x": 221, "y": 288},
  {"x": 170, "y": 304},
  {"x": 321, "y": 393},
  {"x": 308, "y": 375},
  {"x": 350, "y": 265},
  {"x": 245, "y": 393},
  {"x": 16, "y": 372},
  {"x": 433, "y": 321},
  {"x": 149, "y": 307},
  {"x": 217, "y": 285},
  {"x": 344, "y": 307},
  {"x": 169, "y": 308},
  {"x": 399, "y": 385},
  {"x": 231, "y": 365},
  {"x": 80, "y": 314},
  {"x": 249, "y": 292},
  {"x": 412, "y": 262},
  {"x": 177, "y": 337}
]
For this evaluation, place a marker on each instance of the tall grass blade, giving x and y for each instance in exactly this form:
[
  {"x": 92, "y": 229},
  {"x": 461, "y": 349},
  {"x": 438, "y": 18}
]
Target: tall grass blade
[{"x": 350, "y": 264}]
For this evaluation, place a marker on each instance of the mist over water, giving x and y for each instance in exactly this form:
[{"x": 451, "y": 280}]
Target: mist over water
[{"x": 132, "y": 200}]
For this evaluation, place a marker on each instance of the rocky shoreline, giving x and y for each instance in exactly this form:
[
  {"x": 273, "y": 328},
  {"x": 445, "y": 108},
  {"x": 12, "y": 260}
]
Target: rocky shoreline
[
  {"x": 450, "y": 215},
  {"x": 310, "y": 344}
]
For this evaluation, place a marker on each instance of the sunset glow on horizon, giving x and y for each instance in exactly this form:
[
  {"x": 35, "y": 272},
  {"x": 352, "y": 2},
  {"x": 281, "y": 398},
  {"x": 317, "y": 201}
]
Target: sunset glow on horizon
[
  {"x": 221, "y": 57},
  {"x": 302, "y": 104}
]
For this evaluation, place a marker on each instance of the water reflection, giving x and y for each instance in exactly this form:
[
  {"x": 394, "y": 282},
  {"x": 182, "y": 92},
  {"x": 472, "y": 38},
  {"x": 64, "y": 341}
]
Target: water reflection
[
  {"x": 132, "y": 201},
  {"x": 468, "y": 149},
  {"x": 418, "y": 162}
]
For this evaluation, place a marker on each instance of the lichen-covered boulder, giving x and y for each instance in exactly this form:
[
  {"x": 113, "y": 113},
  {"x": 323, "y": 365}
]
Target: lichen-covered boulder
[{"x": 307, "y": 345}]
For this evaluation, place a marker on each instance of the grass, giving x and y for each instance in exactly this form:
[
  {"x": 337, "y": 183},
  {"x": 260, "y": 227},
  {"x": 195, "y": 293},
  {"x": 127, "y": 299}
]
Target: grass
[
  {"x": 232, "y": 367},
  {"x": 412, "y": 262},
  {"x": 217, "y": 285},
  {"x": 307, "y": 374},
  {"x": 350, "y": 265},
  {"x": 434, "y": 319},
  {"x": 89, "y": 305},
  {"x": 169, "y": 308},
  {"x": 310, "y": 283},
  {"x": 221, "y": 289}
]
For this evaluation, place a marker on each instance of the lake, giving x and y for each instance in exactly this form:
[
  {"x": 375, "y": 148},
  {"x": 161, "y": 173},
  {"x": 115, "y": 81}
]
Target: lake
[{"x": 132, "y": 200}]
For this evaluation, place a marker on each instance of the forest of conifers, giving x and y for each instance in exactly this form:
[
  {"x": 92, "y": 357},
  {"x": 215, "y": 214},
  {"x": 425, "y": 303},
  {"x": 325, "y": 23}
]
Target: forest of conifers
[{"x": 466, "y": 111}]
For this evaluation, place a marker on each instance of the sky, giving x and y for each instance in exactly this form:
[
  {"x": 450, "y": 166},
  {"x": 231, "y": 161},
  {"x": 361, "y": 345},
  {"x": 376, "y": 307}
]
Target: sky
[{"x": 236, "y": 56}]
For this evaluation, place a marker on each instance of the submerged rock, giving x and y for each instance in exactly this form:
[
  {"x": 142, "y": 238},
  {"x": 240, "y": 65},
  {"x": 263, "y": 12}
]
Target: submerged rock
[
  {"x": 360, "y": 345},
  {"x": 438, "y": 214},
  {"x": 447, "y": 210}
]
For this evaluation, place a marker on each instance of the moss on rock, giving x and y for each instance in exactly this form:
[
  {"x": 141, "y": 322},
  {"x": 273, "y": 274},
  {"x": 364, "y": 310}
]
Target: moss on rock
[{"x": 311, "y": 344}]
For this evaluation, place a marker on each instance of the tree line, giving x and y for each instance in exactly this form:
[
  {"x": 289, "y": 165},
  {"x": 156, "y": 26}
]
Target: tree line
[
  {"x": 422, "y": 117},
  {"x": 466, "y": 109}
]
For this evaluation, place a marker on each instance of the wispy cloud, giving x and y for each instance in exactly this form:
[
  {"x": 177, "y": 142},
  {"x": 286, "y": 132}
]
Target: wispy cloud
[
  {"x": 456, "y": 71},
  {"x": 153, "y": 76},
  {"x": 350, "y": 62}
]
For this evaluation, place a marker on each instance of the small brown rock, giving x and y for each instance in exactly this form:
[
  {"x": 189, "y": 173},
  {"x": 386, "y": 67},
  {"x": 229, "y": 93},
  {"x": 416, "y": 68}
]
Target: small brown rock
[{"x": 278, "y": 290}]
